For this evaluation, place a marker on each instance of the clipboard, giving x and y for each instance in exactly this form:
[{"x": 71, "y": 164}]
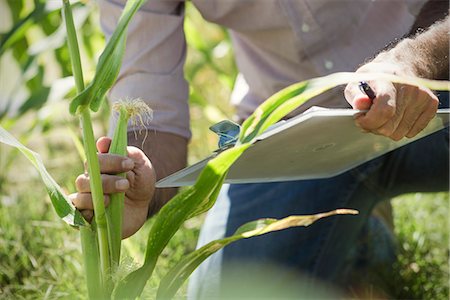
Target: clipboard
[{"x": 318, "y": 143}]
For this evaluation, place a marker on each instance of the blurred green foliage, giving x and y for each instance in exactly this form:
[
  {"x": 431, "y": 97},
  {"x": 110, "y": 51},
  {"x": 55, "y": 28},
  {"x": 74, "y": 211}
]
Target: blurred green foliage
[{"x": 39, "y": 255}]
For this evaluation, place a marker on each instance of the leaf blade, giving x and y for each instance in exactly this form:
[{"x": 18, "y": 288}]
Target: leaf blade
[
  {"x": 109, "y": 63},
  {"x": 62, "y": 205},
  {"x": 173, "y": 280},
  {"x": 172, "y": 216}
]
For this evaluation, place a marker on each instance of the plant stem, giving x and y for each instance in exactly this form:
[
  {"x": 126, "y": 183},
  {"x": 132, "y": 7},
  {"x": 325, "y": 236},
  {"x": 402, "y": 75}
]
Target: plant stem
[
  {"x": 89, "y": 248},
  {"x": 97, "y": 195},
  {"x": 94, "y": 249},
  {"x": 72, "y": 42}
]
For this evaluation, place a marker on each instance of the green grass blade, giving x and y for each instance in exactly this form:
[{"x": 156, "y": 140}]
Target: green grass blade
[
  {"x": 62, "y": 205},
  {"x": 177, "y": 275},
  {"x": 288, "y": 99},
  {"x": 172, "y": 216},
  {"x": 109, "y": 63}
]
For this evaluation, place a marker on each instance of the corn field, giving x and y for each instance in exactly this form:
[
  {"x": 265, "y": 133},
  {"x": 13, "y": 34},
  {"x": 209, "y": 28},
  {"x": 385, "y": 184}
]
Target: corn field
[{"x": 41, "y": 257}]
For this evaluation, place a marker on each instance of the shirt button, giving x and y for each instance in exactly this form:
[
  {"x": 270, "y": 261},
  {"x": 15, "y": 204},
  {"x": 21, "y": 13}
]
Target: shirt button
[
  {"x": 305, "y": 27},
  {"x": 328, "y": 64}
]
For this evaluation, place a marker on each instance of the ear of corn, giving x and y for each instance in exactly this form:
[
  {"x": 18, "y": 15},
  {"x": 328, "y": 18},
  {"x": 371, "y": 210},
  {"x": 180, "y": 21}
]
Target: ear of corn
[
  {"x": 115, "y": 209},
  {"x": 137, "y": 111}
]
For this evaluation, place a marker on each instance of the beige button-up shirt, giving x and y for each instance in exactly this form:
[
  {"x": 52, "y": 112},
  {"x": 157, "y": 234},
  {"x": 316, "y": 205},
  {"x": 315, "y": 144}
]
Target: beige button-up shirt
[{"x": 276, "y": 43}]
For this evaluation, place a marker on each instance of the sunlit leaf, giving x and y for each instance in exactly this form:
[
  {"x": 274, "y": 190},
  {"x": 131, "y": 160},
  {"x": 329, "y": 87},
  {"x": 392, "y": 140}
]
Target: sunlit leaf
[
  {"x": 173, "y": 214},
  {"x": 109, "y": 63},
  {"x": 178, "y": 274},
  {"x": 63, "y": 207},
  {"x": 288, "y": 99}
]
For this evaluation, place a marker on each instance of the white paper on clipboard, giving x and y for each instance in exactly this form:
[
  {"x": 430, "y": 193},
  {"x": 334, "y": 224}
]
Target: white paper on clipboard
[{"x": 319, "y": 143}]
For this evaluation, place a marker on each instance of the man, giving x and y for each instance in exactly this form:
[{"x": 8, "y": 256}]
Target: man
[{"x": 277, "y": 43}]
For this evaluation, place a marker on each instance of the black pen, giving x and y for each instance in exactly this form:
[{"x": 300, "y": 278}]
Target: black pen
[{"x": 366, "y": 89}]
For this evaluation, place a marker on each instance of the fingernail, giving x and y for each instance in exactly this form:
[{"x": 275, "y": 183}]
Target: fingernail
[
  {"x": 72, "y": 197},
  {"x": 128, "y": 164},
  {"x": 122, "y": 184}
]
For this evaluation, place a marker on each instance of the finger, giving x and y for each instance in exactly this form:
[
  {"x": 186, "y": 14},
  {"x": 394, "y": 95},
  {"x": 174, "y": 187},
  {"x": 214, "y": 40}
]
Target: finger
[
  {"x": 423, "y": 120},
  {"x": 403, "y": 94},
  {"x": 130, "y": 175},
  {"x": 424, "y": 101},
  {"x": 383, "y": 107},
  {"x": 111, "y": 184},
  {"x": 83, "y": 201},
  {"x": 114, "y": 164},
  {"x": 136, "y": 154},
  {"x": 356, "y": 98},
  {"x": 87, "y": 214},
  {"x": 103, "y": 144},
  {"x": 405, "y": 125}
]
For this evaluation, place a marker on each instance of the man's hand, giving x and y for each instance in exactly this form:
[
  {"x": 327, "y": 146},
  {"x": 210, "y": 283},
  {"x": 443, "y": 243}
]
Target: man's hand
[
  {"x": 398, "y": 110},
  {"x": 139, "y": 185}
]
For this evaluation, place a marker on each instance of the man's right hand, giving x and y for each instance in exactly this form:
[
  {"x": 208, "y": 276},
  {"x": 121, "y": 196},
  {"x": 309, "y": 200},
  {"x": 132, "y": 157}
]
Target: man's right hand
[{"x": 139, "y": 185}]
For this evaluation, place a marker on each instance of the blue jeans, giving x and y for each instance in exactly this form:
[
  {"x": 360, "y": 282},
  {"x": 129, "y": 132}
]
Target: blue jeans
[{"x": 324, "y": 249}]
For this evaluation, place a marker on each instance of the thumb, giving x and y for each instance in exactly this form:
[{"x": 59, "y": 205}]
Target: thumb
[
  {"x": 103, "y": 144},
  {"x": 356, "y": 98}
]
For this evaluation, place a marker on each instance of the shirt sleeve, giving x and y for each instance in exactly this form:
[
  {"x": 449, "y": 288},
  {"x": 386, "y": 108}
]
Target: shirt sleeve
[{"x": 152, "y": 67}]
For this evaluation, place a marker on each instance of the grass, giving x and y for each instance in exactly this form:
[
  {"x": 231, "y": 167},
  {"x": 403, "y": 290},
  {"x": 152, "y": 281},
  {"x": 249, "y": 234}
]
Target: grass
[{"x": 422, "y": 223}]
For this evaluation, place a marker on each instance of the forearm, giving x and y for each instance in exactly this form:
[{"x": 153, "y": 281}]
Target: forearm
[
  {"x": 168, "y": 153},
  {"x": 425, "y": 55}
]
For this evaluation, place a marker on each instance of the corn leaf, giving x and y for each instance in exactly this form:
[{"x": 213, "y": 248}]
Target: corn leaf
[
  {"x": 173, "y": 214},
  {"x": 63, "y": 207},
  {"x": 173, "y": 280},
  {"x": 288, "y": 99},
  {"x": 109, "y": 63}
]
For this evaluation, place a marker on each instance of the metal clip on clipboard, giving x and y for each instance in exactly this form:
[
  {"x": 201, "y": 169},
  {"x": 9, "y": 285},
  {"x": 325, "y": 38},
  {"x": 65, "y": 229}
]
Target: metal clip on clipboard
[{"x": 228, "y": 133}]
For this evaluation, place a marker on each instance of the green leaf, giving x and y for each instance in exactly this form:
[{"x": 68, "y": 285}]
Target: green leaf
[
  {"x": 288, "y": 99},
  {"x": 172, "y": 216},
  {"x": 173, "y": 280},
  {"x": 17, "y": 33},
  {"x": 63, "y": 207},
  {"x": 109, "y": 63}
]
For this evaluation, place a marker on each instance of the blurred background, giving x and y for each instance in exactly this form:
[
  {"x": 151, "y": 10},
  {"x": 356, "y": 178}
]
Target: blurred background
[{"x": 40, "y": 256}]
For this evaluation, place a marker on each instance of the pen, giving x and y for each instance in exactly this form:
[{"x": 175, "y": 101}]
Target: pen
[{"x": 366, "y": 89}]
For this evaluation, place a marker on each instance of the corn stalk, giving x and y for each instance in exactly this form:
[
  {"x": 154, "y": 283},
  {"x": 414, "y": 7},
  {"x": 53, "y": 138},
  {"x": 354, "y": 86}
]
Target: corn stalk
[{"x": 94, "y": 250}]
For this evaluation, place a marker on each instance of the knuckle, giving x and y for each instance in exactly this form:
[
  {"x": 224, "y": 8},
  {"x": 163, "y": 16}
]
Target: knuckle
[
  {"x": 107, "y": 199},
  {"x": 79, "y": 181},
  {"x": 387, "y": 112},
  {"x": 386, "y": 130},
  {"x": 396, "y": 137}
]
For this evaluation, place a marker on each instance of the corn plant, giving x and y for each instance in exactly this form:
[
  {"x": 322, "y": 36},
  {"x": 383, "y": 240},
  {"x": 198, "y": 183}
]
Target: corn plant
[{"x": 101, "y": 239}]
